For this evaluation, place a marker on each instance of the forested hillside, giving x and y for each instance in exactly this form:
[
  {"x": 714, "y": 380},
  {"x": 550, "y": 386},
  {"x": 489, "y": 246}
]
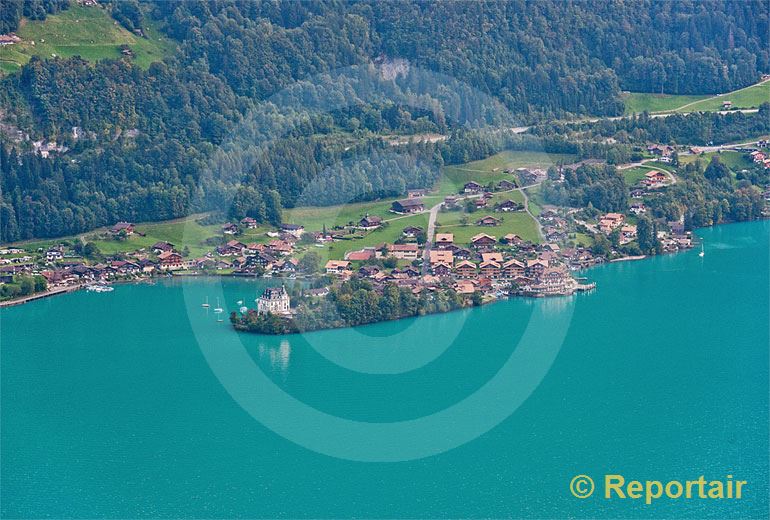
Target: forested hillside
[{"x": 251, "y": 103}]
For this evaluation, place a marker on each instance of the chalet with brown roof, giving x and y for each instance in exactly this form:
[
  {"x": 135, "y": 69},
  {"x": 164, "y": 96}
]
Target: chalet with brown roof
[
  {"x": 249, "y": 223},
  {"x": 512, "y": 239},
  {"x": 465, "y": 269},
  {"x": 441, "y": 256},
  {"x": 160, "y": 247},
  {"x": 230, "y": 229},
  {"x": 489, "y": 221},
  {"x": 535, "y": 268},
  {"x": 505, "y": 185},
  {"x": 412, "y": 231},
  {"x": 415, "y": 194},
  {"x": 508, "y": 205},
  {"x": 654, "y": 179},
  {"x": 441, "y": 269},
  {"x": 450, "y": 201},
  {"x": 490, "y": 270},
  {"x": 126, "y": 228},
  {"x": 472, "y": 187},
  {"x": 406, "y": 206},
  {"x": 337, "y": 267},
  {"x": 370, "y": 222},
  {"x": 443, "y": 240},
  {"x": 610, "y": 221},
  {"x": 170, "y": 260},
  {"x": 360, "y": 256},
  {"x": 296, "y": 230},
  {"x": 482, "y": 241},
  {"x": 492, "y": 257},
  {"x": 404, "y": 251},
  {"x": 513, "y": 268}
]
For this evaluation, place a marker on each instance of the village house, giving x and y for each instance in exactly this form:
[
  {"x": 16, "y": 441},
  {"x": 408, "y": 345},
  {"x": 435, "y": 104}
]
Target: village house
[
  {"x": 230, "y": 229},
  {"x": 472, "y": 187},
  {"x": 638, "y": 208},
  {"x": 512, "y": 239},
  {"x": 415, "y": 194},
  {"x": 492, "y": 257},
  {"x": 444, "y": 240},
  {"x": 483, "y": 242},
  {"x": 627, "y": 233},
  {"x": 481, "y": 202},
  {"x": 727, "y": 105},
  {"x": 232, "y": 248},
  {"x": 249, "y": 223},
  {"x": 441, "y": 269},
  {"x": 412, "y": 231},
  {"x": 54, "y": 254},
  {"x": 280, "y": 247},
  {"x": 513, "y": 269},
  {"x": 123, "y": 228},
  {"x": 338, "y": 267},
  {"x": 654, "y": 179},
  {"x": 170, "y": 260},
  {"x": 450, "y": 201},
  {"x": 403, "y": 251},
  {"x": 274, "y": 300},
  {"x": 534, "y": 268},
  {"x": 508, "y": 205},
  {"x": 488, "y": 221},
  {"x": 370, "y": 222},
  {"x": 464, "y": 287},
  {"x": 441, "y": 256},
  {"x": 360, "y": 256},
  {"x": 408, "y": 206},
  {"x": 490, "y": 269},
  {"x": 286, "y": 266},
  {"x": 505, "y": 185},
  {"x": 465, "y": 269},
  {"x": 610, "y": 221},
  {"x": 294, "y": 230},
  {"x": 161, "y": 247}
]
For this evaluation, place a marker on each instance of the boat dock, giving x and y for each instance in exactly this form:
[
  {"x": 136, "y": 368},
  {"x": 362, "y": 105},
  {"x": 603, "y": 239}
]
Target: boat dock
[{"x": 38, "y": 296}]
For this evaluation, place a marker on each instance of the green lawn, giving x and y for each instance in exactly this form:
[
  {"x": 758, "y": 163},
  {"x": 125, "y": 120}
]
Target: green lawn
[
  {"x": 736, "y": 161},
  {"x": 750, "y": 97},
  {"x": 389, "y": 234},
  {"x": 89, "y": 32},
  {"x": 638, "y": 102},
  {"x": 632, "y": 176},
  {"x": 518, "y": 222},
  {"x": 492, "y": 168}
]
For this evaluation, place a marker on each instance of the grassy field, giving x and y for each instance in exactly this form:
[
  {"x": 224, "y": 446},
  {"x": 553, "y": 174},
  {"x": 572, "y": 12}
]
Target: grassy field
[
  {"x": 749, "y": 97},
  {"x": 88, "y": 32},
  {"x": 518, "y": 222},
  {"x": 492, "y": 168},
  {"x": 736, "y": 161},
  {"x": 638, "y": 102},
  {"x": 632, "y": 176},
  {"x": 389, "y": 234}
]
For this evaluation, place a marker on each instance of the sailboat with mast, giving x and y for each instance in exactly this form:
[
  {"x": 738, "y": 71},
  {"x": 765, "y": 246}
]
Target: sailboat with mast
[
  {"x": 702, "y": 251},
  {"x": 205, "y": 303},
  {"x": 218, "y": 309}
]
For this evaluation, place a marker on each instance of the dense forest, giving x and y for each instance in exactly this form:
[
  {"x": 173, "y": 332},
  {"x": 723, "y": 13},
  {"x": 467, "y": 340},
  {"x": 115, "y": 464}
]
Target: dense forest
[{"x": 283, "y": 102}]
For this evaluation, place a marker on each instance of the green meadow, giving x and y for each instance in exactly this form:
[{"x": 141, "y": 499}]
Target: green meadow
[
  {"x": 749, "y": 97},
  {"x": 88, "y": 32},
  {"x": 638, "y": 102}
]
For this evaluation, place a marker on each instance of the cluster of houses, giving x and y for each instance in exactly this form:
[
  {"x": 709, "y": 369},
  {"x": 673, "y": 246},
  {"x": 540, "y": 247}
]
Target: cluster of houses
[{"x": 486, "y": 265}]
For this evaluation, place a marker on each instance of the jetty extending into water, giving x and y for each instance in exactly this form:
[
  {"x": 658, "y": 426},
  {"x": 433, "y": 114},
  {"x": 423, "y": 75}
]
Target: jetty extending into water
[{"x": 37, "y": 296}]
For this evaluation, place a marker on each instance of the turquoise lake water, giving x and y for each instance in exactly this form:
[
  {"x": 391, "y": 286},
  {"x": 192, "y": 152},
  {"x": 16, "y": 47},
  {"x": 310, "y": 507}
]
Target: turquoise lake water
[{"x": 139, "y": 403}]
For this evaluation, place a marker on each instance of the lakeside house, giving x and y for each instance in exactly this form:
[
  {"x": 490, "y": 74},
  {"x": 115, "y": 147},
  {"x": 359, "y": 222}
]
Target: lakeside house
[{"x": 169, "y": 260}]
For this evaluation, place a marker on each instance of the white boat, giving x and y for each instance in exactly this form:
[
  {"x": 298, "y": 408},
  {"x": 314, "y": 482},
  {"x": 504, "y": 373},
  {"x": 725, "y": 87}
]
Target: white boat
[
  {"x": 702, "y": 252},
  {"x": 96, "y": 287},
  {"x": 206, "y": 303},
  {"x": 218, "y": 309}
]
